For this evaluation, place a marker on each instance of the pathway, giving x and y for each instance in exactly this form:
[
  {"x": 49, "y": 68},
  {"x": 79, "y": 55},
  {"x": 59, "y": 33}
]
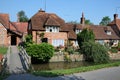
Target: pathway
[
  {"x": 15, "y": 65},
  {"x": 101, "y": 74}
]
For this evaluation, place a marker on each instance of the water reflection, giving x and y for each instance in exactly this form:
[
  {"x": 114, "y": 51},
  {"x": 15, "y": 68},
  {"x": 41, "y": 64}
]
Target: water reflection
[{"x": 59, "y": 65}]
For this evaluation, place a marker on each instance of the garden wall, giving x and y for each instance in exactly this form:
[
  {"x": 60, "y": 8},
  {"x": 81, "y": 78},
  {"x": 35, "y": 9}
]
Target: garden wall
[
  {"x": 78, "y": 57},
  {"x": 60, "y": 57}
]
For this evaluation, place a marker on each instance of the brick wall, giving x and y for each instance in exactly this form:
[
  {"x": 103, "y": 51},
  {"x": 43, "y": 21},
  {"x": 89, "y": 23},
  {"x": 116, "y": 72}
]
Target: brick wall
[{"x": 4, "y": 39}]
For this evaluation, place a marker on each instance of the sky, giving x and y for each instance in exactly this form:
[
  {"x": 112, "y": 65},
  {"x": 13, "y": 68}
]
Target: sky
[{"x": 69, "y": 10}]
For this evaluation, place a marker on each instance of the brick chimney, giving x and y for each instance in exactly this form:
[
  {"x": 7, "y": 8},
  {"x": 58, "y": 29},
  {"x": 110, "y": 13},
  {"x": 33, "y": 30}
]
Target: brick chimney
[
  {"x": 115, "y": 17},
  {"x": 82, "y": 19}
]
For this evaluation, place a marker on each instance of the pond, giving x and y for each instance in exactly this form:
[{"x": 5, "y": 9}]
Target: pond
[{"x": 60, "y": 65}]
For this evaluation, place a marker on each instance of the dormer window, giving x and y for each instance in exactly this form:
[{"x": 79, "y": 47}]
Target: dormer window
[
  {"x": 52, "y": 29},
  {"x": 108, "y": 32},
  {"x": 77, "y": 31}
]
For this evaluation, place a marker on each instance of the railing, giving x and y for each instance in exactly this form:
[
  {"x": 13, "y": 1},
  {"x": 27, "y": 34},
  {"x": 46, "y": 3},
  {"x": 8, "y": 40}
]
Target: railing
[{"x": 25, "y": 58}]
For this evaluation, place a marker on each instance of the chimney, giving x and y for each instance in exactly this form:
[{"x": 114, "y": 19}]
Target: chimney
[
  {"x": 82, "y": 19},
  {"x": 18, "y": 18},
  {"x": 41, "y": 10},
  {"x": 115, "y": 17}
]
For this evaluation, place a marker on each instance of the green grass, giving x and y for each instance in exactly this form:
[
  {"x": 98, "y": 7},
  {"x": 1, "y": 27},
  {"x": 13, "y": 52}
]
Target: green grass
[
  {"x": 3, "y": 50},
  {"x": 62, "y": 72}
]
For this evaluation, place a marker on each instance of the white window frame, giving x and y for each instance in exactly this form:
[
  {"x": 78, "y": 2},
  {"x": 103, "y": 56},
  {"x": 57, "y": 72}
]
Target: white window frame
[{"x": 52, "y": 28}]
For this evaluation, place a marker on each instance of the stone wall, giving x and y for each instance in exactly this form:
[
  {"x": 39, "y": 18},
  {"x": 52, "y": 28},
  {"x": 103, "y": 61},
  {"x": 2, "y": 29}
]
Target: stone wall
[
  {"x": 115, "y": 56},
  {"x": 60, "y": 57},
  {"x": 79, "y": 57}
]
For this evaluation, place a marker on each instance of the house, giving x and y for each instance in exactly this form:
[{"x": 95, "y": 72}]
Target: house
[
  {"x": 103, "y": 34},
  {"x": 10, "y": 33},
  {"x": 53, "y": 28},
  {"x": 55, "y": 31}
]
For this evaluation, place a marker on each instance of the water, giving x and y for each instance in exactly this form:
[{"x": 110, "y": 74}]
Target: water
[{"x": 59, "y": 65}]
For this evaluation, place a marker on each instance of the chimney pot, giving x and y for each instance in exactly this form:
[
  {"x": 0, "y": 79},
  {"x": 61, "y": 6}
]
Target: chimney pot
[{"x": 115, "y": 16}]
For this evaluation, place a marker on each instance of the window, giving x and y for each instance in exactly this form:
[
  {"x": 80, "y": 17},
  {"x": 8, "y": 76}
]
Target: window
[
  {"x": 108, "y": 32},
  {"x": 77, "y": 31},
  {"x": 52, "y": 29},
  {"x": 76, "y": 43},
  {"x": 58, "y": 42},
  {"x": 101, "y": 42}
]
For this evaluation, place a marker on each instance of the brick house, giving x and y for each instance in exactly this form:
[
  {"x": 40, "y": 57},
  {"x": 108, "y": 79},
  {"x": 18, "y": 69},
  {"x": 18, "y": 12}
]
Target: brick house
[
  {"x": 10, "y": 33},
  {"x": 103, "y": 34},
  {"x": 57, "y": 32},
  {"x": 53, "y": 27}
]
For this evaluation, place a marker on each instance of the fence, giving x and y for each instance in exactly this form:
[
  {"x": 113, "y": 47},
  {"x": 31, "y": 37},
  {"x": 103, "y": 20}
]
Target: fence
[{"x": 25, "y": 58}]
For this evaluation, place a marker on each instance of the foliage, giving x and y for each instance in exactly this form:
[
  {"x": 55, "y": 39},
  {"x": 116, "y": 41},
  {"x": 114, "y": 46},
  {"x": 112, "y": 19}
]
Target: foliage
[
  {"x": 70, "y": 50},
  {"x": 105, "y": 20},
  {"x": 3, "y": 50},
  {"x": 53, "y": 73},
  {"x": 67, "y": 57},
  {"x": 95, "y": 52},
  {"x": 118, "y": 46},
  {"x": 42, "y": 52},
  {"x": 113, "y": 50},
  {"x": 28, "y": 40},
  {"x": 88, "y": 22},
  {"x": 22, "y": 16},
  {"x": 85, "y": 36}
]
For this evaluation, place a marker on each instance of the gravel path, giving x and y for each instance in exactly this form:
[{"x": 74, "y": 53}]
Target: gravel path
[{"x": 101, "y": 74}]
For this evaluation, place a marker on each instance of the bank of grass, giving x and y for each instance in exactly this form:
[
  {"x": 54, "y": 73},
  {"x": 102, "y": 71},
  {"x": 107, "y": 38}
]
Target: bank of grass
[
  {"x": 3, "y": 50},
  {"x": 53, "y": 73}
]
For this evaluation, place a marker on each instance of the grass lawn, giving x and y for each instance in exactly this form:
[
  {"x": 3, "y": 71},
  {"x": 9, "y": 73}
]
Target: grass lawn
[
  {"x": 3, "y": 50},
  {"x": 53, "y": 73}
]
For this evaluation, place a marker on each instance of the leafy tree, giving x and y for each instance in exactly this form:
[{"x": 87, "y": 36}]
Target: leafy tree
[
  {"x": 88, "y": 22},
  {"x": 22, "y": 16},
  {"x": 85, "y": 36},
  {"x": 105, "y": 20},
  {"x": 95, "y": 52}
]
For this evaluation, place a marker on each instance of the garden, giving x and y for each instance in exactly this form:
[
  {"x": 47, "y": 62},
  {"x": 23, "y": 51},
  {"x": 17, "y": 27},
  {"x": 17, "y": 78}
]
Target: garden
[{"x": 92, "y": 52}]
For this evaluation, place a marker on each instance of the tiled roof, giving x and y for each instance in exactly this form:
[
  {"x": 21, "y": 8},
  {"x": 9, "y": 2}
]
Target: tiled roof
[
  {"x": 42, "y": 19},
  {"x": 4, "y": 19},
  {"x": 98, "y": 30},
  {"x": 115, "y": 22},
  {"x": 21, "y": 26},
  {"x": 100, "y": 33}
]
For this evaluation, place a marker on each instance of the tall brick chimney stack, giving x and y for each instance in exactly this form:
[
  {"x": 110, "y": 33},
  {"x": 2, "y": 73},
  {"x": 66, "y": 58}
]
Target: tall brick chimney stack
[
  {"x": 115, "y": 17},
  {"x": 82, "y": 19}
]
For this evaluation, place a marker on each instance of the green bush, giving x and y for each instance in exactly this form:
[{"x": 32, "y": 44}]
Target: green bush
[
  {"x": 95, "y": 52},
  {"x": 113, "y": 50},
  {"x": 42, "y": 52}
]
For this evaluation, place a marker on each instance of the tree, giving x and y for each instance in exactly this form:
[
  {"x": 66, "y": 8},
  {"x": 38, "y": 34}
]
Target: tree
[
  {"x": 105, "y": 20},
  {"x": 85, "y": 36},
  {"x": 22, "y": 17},
  {"x": 88, "y": 22},
  {"x": 95, "y": 52}
]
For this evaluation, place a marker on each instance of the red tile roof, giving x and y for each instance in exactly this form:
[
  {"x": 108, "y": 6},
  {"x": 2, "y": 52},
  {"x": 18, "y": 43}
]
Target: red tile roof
[
  {"x": 4, "y": 19},
  {"x": 98, "y": 30},
  {"x": 21, "y": 26}
]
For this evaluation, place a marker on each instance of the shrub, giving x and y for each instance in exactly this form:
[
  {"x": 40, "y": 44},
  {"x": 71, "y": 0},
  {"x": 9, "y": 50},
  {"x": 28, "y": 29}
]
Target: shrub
[
  {"x": 95, "y": 52},
  {"x": 113, "y": 50},
  {"x": 41, "y": 52}
]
